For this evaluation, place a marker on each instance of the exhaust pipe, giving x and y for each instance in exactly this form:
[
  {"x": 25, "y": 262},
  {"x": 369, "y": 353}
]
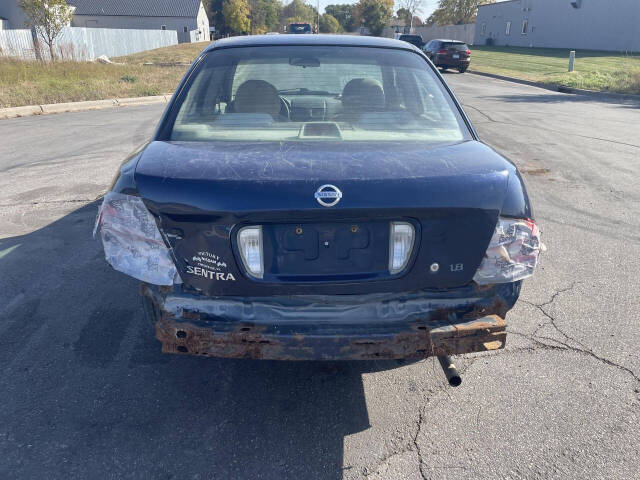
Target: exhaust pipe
[{"x": 450, "y": 370}]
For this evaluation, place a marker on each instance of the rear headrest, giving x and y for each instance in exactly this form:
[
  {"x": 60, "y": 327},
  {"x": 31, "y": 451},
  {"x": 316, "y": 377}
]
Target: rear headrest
[
  {"x": 257, "y": 96},
  {"x": 363, "y": 95}
]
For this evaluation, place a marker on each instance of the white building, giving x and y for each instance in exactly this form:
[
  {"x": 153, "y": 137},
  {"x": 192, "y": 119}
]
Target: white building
[{"x": 184, "y": 16}]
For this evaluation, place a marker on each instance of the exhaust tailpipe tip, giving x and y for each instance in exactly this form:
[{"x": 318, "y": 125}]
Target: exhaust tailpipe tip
[{"x": 450, "y": 371}]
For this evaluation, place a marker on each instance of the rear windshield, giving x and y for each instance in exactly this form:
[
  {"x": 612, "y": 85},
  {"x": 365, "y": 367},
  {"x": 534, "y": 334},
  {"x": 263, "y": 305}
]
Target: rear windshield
[
  {"x": 455, "y": 46},
  {"x": 319, "y": 93}
]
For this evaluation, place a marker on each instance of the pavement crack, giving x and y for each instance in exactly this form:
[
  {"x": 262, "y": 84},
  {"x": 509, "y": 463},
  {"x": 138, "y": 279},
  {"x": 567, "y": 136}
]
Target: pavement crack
[
  {"x": 481, "y": 113},
  {"x": 413, "y": 444},
  {"x": 591, "y": 353},
  {"x": 564, "y": 344},
  {"x": 552, "y": 320},
  {"x": 562, "y": 290},
  {"x": 416, "y": 446}
]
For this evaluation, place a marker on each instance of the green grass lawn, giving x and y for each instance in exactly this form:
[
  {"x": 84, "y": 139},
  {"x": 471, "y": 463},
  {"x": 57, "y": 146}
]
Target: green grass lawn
[
  {"x": 593, "y": 70},
  {"x": 182, "y": 53},
  {"x": 35, "y": 83}
]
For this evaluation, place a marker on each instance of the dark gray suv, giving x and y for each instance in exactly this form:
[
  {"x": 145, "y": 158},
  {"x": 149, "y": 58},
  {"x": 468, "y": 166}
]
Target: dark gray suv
[{"x": 448, "y": 54}]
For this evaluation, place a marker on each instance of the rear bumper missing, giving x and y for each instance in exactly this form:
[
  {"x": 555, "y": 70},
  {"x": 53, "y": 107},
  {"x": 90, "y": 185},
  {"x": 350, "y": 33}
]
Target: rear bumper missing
[{"x": 414, "y": 325}]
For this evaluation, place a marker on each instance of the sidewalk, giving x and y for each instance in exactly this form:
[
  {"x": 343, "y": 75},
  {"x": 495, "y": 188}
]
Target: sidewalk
[{"x": 29, "y": 110}]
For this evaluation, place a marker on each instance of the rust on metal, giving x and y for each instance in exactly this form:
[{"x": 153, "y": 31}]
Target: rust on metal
[
  {"x": 441, "y": 332},
  {"x": 243, "y": 342},
  {"x": 485, "y": 334},
  {"x": 249, "y": 341}
]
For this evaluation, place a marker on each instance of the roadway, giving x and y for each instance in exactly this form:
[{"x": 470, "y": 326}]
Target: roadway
[{"x": 86, "y": 393}]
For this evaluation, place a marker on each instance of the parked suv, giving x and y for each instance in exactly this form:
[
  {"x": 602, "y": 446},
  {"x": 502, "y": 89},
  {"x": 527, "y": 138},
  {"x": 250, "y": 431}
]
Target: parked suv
[
  {"x": 298, "y": 28},
  {"x": 412, "y": 39},
  {"x": 448, "y": 54}
]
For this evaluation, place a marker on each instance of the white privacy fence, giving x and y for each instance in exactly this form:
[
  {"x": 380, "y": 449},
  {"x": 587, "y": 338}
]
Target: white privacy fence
[
  {"x": 16, "y": 43},
  {"x": 80, "y": 43},
  {"x": 463, "y": 32},
  {"x": 194, "y": 36}
]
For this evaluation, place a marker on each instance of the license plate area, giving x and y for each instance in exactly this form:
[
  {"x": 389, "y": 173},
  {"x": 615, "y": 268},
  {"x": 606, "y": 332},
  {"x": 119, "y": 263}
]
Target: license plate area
[
  {"x": 456, "y": 56},
  {"x": 326, "y": 252}
]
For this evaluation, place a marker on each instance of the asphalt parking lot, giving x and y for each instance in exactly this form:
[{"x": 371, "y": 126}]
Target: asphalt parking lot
[{"x": 86, "y": 393}]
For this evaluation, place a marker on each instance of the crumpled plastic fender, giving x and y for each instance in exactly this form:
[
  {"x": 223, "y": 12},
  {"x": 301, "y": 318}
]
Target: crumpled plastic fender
[
  {"x": 132, "y": 242},
  {"x": 512, "y": 254}
]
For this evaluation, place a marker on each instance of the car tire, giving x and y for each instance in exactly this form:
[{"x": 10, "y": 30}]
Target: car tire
[{"x": 462, "y": 69}]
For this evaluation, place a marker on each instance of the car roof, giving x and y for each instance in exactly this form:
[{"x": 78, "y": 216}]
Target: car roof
[
  {"x": 447, "y": 40},
  {"x": 292, "y": 39}
]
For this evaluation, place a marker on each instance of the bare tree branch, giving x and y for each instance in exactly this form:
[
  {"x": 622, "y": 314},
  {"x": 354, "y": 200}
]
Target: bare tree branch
[
  {"x": 412, "y": 6},
  {"x": 48, "y": 17}
]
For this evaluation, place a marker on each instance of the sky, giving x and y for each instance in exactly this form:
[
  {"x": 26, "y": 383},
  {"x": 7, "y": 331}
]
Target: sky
[{"x": 428, "y": 7}]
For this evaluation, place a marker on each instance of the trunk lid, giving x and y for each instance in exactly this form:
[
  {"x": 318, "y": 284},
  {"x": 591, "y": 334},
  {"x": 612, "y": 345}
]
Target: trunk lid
[{"x": 201, "y": 194}]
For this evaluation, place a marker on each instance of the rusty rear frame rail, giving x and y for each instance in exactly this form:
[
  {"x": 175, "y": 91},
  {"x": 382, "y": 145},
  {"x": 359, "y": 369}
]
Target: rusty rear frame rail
[{"x": 481, "y": 327}]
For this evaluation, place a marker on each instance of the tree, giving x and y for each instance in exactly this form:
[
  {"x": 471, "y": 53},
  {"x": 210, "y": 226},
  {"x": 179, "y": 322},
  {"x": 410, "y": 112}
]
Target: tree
[
  {"x": 298, "y": 11},
  {"x": 216, "y": 18},
  {"x": 375, "y": 14},
  {"x": 411, "y": 7},
  {"x": 48, "y": 17},
  {"x": 236, "y": 15},
  {"x": 264, "y": 15},
  {"x": 344, "y": 15},
  {"x": 404, "y": 15},
  {"x": 456, "y": 12},
  {"x": 329, "y": 24}
]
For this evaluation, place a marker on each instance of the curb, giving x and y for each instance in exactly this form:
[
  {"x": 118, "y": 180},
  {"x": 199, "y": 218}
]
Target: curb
[
  {"x": 531, "y": 83},
  {"x": 28, "y": 110},
  {"x": 559, "y": 88},
  {"x": 595, "y": 93}
]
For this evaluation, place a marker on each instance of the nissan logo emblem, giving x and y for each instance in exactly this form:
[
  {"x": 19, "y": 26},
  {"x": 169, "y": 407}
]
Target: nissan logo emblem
[{"x": 328, "y": 195}]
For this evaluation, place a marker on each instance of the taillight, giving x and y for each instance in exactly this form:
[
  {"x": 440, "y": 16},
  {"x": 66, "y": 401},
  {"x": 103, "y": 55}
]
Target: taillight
[
  {"x": 132, "y": 242},
  {"x": 441, "y": 52},
  {"x": 512, "y": 254},
  {"x": 400, "y": 246},
  {"x": 468, "y": 52},
  {"x": 250, "y": 246}
]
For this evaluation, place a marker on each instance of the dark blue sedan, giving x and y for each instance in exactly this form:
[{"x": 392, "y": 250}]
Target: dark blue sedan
[{"x": 320, "y": 197}]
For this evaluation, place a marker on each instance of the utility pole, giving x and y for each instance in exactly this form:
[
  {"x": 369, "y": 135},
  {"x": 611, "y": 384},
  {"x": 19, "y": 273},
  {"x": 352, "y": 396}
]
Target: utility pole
[{"x": 318, "y": 20}]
